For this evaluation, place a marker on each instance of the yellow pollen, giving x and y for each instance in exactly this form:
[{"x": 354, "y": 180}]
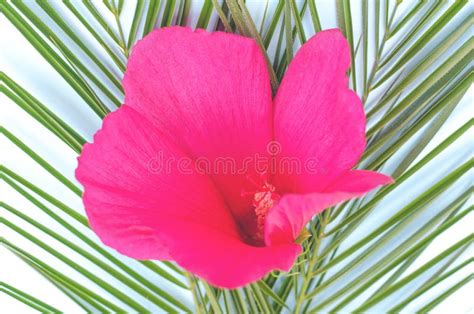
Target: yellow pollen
[{"x": 263, "y": 201}]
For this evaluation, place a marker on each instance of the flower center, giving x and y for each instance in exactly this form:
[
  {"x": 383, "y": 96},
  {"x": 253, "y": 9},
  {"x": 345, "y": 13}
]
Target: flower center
[
  {"x": 262, "y": 202},
  {"x": 264, "y": 197}
]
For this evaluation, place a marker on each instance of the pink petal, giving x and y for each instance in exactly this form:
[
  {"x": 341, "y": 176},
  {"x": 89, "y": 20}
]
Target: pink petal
[
  {"x": 288, "y": 217},
  {"x": 210, "y": 94},
  {"x": 127, "y": 198},
  {"x": 358, "y": 181},
  {"x": 318, "y": 120},
  {"x": 222, "y": 259}
]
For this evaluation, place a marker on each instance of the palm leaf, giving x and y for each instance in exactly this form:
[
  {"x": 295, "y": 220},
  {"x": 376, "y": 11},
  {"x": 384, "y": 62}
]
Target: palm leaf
[{"x": 412, "y": 68}]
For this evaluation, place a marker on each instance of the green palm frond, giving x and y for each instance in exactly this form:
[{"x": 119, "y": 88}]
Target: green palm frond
[{"x": 412, "y": 68}]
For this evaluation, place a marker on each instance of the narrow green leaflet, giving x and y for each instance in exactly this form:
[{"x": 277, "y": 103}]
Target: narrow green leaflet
[{"x": 27, "y": 299}]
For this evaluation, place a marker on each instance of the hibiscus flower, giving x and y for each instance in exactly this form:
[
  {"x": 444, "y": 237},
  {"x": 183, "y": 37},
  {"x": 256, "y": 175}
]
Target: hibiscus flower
[{"x": 195, "y": 96}]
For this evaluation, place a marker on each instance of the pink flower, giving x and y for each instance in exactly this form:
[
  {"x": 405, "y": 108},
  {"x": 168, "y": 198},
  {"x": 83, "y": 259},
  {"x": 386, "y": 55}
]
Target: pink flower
[{"x": 198, "y": 96}]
